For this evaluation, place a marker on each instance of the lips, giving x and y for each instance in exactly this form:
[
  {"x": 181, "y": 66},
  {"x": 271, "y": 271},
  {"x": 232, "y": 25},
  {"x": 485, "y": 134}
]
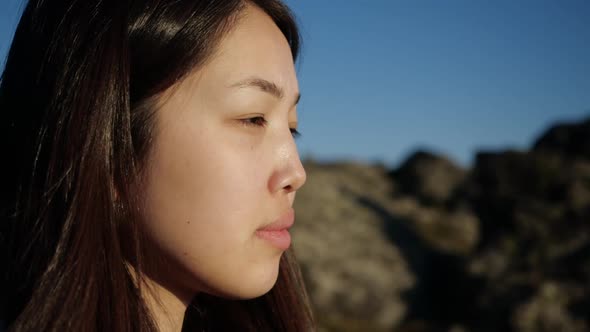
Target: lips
[
  {"x": 277, "y": 232},
  {"x": 285, "y": 221}
]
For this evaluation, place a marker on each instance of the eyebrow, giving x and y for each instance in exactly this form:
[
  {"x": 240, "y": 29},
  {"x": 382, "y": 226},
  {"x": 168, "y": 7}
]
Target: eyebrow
[{"x": 265, "y": 86}]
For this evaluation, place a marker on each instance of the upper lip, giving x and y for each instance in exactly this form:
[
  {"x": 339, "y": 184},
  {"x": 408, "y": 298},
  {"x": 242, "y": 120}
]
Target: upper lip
[{"x": 285, "y": 221}]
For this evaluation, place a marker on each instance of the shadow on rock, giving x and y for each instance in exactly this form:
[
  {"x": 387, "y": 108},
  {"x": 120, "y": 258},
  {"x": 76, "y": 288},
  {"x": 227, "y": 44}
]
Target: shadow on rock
[{"x": 444, "y": 293}]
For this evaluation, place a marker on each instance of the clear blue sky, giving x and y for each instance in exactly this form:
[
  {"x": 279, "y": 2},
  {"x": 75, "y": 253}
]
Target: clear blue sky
[{"x": 382, "y": 78}]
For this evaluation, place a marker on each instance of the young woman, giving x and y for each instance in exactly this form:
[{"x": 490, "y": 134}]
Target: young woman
[{"x": 150, "y": 167}]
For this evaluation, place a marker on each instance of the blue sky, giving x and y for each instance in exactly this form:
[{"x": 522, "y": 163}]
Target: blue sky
[{"x": 382, "y": 78}]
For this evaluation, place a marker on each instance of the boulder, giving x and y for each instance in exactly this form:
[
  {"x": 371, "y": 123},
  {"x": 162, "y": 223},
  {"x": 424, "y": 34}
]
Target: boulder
[
  {"x": 570, "y": 140},
  {"x": 354, "y": 274},
  {"x": 431, "y": 178}
]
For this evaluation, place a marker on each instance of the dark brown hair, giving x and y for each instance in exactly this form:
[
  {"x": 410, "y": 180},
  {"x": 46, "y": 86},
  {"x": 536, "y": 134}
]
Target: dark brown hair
[{"x": 76, "y": 101}]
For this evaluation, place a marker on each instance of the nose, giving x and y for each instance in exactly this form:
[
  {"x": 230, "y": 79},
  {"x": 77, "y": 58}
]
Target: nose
[
  {"x": 289, "y": 174},
  {"x": 296, "y": 177}
]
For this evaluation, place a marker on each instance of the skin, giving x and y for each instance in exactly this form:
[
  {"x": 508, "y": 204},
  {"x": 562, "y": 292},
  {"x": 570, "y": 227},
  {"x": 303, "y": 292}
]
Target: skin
[{"x": 223, "y": 164}]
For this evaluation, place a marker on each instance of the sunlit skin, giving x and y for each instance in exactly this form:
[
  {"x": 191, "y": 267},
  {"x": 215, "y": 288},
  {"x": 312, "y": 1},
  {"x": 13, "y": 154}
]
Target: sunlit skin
[{"x": 223, "y": 164}]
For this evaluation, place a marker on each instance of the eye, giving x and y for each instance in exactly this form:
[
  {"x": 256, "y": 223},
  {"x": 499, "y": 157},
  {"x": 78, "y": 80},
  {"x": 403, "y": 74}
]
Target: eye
[
  {"x": 295, "y": 133},
  {"x": 260, "y": 121},
  {"x": 257, "y": 121}
]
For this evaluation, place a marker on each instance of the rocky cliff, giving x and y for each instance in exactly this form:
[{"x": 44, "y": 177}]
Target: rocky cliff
[{"x": 429, "y": 246}]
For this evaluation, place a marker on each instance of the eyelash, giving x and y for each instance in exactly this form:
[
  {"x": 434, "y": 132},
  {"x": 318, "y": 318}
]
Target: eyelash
[{"x": 259, "y": 121}]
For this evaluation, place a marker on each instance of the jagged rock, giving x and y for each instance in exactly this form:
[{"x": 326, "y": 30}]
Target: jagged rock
[
  {"x": 432, "y": 179},
  {"x": 431, "y": 247},
  {"x": 547, "y": 310},
  {"x": 355, "y": 275},
  {"x": 529, "y": 193},
  {"x": 567, "y": 139},
  {"x": 449, "y": 231},
  {"x": 534, "y": 209}
]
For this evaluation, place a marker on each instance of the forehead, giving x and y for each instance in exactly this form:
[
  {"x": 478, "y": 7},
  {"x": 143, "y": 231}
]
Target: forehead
[{"x": 254, "y": 47}]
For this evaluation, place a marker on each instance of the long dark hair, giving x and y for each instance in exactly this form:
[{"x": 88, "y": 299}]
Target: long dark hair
[{"x": 76, "y": 100}]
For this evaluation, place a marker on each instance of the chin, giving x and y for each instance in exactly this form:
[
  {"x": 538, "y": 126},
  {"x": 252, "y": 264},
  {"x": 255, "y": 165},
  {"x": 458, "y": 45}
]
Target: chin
[{"x": 250, "y": 285}]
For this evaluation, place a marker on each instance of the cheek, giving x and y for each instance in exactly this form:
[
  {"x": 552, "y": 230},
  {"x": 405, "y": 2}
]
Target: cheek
[{"x": 205, "y": 196}]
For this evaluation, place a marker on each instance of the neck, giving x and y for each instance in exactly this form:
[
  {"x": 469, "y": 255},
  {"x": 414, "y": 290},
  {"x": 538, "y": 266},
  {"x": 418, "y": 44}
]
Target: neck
[
  {"x": 166, "y": 307},
  {"x": 166, "y": 304}
]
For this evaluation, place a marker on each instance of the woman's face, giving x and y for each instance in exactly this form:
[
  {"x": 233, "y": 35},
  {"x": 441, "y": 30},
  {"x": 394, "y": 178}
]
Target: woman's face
[{"x": 224, "y": 164}]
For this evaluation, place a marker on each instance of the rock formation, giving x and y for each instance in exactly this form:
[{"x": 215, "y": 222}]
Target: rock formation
[{"x": 429, "y": 246}]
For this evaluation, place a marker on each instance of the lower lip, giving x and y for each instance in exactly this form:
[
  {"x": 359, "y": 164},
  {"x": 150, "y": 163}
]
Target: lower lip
[{"x": 280, "y": 239}]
